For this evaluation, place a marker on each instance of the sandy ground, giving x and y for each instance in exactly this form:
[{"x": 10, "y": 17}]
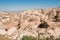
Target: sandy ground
[{"x": 4, "y": 38}]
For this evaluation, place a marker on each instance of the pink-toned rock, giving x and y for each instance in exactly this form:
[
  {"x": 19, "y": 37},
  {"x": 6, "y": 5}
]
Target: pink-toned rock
[{"x": 32, "y": 18}]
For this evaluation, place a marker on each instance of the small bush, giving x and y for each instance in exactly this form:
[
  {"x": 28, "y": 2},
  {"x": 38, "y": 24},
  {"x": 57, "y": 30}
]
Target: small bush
[{"x": 28, "y": 38}]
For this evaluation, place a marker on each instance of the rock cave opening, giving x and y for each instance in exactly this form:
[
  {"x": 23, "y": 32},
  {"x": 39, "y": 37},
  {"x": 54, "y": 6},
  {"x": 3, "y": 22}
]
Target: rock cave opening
[{"x": 43, "y": 25}]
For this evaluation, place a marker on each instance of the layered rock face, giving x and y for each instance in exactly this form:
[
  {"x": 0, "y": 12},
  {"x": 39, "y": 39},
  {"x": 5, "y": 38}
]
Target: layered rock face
[{"x": 30, "y": 22}]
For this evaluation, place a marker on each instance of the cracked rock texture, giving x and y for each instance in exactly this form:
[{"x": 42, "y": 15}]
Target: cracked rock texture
[{"x": 30, "y": 22}]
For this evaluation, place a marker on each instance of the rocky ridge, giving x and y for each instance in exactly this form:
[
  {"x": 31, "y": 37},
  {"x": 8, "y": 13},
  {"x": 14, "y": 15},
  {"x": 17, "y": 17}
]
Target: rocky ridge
[{"x": 30, "y": 22}]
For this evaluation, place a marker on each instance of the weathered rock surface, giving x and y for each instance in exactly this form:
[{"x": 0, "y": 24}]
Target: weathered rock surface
[{"x": 30, "y": 22}]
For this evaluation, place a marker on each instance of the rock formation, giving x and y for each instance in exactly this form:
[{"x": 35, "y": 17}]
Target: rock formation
[{"x": 28, "y": 22}]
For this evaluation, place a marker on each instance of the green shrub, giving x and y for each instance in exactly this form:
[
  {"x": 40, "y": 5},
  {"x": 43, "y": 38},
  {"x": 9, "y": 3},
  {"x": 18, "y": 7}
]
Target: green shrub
[{"x": 28, "y": 38}]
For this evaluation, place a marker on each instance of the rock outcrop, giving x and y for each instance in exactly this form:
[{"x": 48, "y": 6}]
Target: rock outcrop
[{"x": 30, "y": 22}]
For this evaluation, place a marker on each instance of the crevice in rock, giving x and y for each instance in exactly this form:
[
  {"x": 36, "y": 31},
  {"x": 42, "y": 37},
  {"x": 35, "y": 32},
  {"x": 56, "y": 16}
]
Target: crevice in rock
[
  {"x": 52, "y": 28},
  {"x": 43, "y": 25},
  {"x": 18, "y": 25},
  {"x": 6, "y": 29},
  {"x": 56, "y": 18}
]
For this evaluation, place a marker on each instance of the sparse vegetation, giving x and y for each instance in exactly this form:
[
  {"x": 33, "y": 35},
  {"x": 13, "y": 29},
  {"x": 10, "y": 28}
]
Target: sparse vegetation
[
  {"x": 33, "y": 38},
  {"x": 39, "y": 38},
  {"x": 29, "y": 38}
]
